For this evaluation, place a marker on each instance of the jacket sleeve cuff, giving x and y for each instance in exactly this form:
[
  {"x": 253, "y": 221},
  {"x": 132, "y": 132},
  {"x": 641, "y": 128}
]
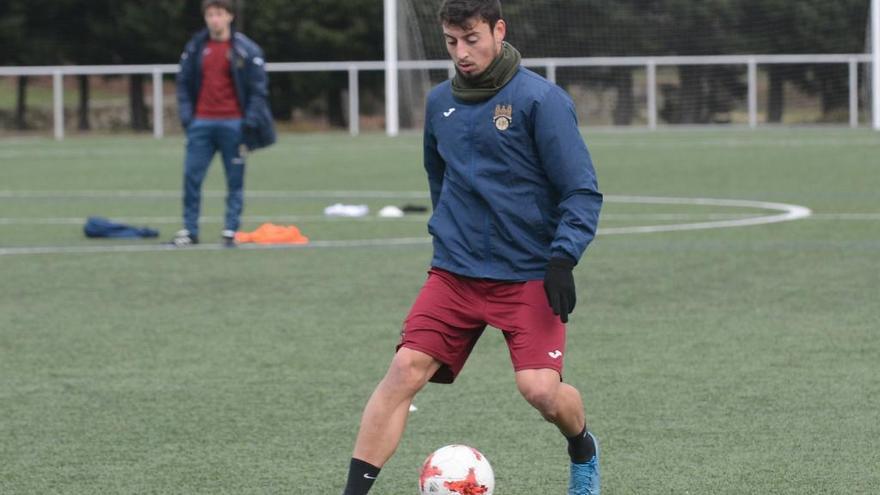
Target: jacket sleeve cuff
[{"x": 562, "y": 260}]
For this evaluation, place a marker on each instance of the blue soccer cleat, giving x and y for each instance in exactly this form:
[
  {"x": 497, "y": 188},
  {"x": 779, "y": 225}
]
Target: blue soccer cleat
[{"x": 584, "y": 478}]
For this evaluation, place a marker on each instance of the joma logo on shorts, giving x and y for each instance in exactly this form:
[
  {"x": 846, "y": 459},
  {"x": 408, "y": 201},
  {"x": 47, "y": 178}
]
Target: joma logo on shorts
[{"x": 555, "y": 354}]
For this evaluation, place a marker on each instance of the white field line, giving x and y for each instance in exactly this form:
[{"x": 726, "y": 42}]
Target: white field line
[
  {"x": 733, "y": 142},
  {"x": 597, "y": 136},
  {"x": 318, "y": 218},
  {"x": 789, "y": 213},
  {"x": 662, "y": 217},
  {"x": 158, "y": 194},
  {"x": 846, "y": 216},
  {"x": 657, "y": 217},
  {"x": 149, "y": 248},
  {"x": 210, "y": 219}
]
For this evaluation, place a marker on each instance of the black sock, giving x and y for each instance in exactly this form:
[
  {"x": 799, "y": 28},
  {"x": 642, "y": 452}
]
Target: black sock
[
  {"x": 581, "y": 447},
  {"x": 361, "y": 476}
]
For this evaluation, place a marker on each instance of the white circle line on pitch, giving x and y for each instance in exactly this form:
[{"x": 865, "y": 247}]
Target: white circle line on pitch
[{"x": 788, "y": 213}]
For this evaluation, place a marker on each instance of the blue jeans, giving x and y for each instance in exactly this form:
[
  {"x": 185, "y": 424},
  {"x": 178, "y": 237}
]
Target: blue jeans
[{"x": 204, "y": 139}]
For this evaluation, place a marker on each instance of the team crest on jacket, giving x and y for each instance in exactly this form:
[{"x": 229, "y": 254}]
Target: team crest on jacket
[{"x": 503, "y": 116}]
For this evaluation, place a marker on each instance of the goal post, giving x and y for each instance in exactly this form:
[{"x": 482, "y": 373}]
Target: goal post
[
  {"x": 391, "y": 69},
  {"x": 875, "y": 63}
]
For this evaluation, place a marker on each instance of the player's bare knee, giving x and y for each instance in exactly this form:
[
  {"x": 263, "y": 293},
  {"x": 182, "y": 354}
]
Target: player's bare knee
[
  {"x": 542, "y": 399},
  {"x": 407, "y": 373}
]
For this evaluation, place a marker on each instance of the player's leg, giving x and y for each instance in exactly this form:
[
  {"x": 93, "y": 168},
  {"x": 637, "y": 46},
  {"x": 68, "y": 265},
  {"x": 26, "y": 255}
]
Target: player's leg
[
  {"x": 384, "y": 417},
  {"x": 558, "y": 402},
  {"x": 229, "y": 135},
  {"x": 438, "y": 336},
  {"x": 536, "y": 340},
  {"x": 561, "y": 404},
  {"x": 199, "y": 152}
]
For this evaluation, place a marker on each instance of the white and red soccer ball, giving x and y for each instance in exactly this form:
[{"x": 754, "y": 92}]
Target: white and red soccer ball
[{"x": 456, "y": 470}]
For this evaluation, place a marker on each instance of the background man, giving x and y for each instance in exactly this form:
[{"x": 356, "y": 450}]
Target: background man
[
  {"x": 515, "y": 206},
  {"x": 221, "y": 94}
]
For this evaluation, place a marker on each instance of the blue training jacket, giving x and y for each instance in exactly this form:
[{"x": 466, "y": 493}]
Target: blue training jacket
[
  {"x": 512, "y": 182},
  {"x": 251, "y": 87}
]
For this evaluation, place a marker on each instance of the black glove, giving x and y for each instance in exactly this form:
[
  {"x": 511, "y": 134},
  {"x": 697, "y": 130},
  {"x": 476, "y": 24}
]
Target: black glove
[{"x": 559, "y": 286}]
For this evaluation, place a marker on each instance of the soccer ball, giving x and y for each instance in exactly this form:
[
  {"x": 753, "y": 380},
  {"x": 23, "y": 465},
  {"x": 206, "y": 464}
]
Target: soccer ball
[{"x": 456, "y": 470}]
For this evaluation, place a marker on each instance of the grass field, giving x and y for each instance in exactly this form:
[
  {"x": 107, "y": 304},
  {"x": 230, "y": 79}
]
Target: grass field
[{"x": 716, "y": 361}]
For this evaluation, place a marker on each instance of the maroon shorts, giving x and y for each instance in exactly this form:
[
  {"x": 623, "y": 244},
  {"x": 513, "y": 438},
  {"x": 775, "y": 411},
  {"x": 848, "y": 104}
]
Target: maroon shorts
[{"x": 452, "y": 311}]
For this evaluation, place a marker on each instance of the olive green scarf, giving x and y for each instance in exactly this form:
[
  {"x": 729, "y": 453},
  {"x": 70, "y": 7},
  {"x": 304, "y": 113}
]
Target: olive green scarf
[{"x": 488, "y": 83}]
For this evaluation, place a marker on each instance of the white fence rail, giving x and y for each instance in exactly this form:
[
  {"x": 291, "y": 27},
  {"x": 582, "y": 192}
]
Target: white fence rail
[{"x": 751, "y": 62}]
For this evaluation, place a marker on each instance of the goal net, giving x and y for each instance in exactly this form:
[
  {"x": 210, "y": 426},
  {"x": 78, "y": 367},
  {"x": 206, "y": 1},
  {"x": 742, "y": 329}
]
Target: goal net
[{"x": 827, "y": 83}]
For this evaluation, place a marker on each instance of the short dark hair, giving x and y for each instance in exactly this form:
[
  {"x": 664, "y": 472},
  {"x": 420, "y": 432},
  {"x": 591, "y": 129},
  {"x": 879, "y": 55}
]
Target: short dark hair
[
  {"x": 459, "y": 12},
  {"x": 227, "y": 5}
]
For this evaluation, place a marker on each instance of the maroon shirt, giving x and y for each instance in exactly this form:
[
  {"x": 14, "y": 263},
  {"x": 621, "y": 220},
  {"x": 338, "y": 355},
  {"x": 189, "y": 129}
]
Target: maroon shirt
[{"x": 217, "y": 97}]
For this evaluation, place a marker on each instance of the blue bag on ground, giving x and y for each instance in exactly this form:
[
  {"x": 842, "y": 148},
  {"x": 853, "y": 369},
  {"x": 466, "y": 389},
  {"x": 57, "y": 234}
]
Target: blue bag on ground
[{"x": 98, "y": 227}]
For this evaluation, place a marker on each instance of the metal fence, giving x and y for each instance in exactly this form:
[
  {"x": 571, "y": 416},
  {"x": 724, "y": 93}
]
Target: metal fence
[{"x": 550, "y": 65}]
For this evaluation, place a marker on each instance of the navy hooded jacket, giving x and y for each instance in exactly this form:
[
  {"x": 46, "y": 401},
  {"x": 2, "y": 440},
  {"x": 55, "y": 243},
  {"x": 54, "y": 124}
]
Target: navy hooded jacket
[
  {"x": 251, "y": 86},
  {"x": 512, "y": 182}
]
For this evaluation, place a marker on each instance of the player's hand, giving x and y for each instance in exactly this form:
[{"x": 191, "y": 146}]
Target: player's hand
[{"x": 559, "y": 286}]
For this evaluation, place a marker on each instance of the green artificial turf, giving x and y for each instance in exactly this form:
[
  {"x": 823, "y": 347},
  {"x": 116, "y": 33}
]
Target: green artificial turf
[{"x": 721, "y": 361}]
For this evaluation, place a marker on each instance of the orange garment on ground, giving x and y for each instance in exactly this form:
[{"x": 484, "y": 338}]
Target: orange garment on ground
[{"x": 269, "y": 233}]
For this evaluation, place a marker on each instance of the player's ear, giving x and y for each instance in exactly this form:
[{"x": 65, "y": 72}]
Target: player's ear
[{"x": 500, "y": 30}]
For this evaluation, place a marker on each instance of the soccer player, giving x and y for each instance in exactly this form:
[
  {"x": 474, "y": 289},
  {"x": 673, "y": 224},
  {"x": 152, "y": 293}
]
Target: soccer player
[
  {"x": 515, "y": 205},
  {"x": 221, "y": 94}
]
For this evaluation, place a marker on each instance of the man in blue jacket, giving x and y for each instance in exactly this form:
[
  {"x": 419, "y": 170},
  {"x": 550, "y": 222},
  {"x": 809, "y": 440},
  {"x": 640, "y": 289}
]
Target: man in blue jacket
[
  {"x": 515, "y": 205},
  {"x": 222, "y": 92}
]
